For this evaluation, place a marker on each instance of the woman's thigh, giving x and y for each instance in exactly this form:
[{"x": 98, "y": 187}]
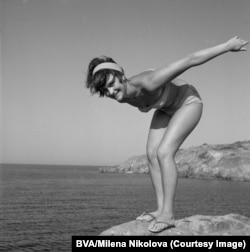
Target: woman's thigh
[
  {"x": 179, "y": 127},
  {"x": 157, "y": 130}
]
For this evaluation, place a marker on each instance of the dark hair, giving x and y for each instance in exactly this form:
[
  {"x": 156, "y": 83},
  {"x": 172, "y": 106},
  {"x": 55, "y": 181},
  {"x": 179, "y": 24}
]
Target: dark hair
[{"x": 97, "y": 82}]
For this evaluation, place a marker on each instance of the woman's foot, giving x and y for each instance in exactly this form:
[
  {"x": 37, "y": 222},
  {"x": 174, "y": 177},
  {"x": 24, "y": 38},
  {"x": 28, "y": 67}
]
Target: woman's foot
[
  {"x": 161, "y": 223},
  {"x": 147, "y": 216}
]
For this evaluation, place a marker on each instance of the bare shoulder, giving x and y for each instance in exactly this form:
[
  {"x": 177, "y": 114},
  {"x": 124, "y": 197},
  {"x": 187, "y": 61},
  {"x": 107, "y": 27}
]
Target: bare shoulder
[
  {"x": 141, "y": 78},
  {"x": 142, "y": 74}
]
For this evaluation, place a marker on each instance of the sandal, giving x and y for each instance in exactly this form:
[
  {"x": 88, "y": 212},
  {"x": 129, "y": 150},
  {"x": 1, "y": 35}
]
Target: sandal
[
  {"x": 146, "y": 217},
  {"x": 159, "y": 226}
]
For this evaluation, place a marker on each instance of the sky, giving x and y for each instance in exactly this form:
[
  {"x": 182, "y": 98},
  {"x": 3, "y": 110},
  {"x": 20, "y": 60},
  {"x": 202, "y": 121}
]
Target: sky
[{"x": 49, "y": 117}]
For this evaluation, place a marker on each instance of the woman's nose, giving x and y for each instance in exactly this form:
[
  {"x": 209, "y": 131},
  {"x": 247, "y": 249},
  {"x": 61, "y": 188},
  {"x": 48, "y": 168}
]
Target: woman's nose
[{"x": 111, "y": 90}]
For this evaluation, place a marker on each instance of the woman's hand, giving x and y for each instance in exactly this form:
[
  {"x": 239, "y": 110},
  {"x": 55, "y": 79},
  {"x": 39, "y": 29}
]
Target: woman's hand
[{"x": 236, "y": 44}]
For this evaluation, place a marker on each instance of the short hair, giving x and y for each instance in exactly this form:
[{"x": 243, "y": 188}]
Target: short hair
[{"x": 97, "y": 82}]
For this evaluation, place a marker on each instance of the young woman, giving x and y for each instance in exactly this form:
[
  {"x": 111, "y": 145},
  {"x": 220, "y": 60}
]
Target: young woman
[{"x": 178, "y": 109}]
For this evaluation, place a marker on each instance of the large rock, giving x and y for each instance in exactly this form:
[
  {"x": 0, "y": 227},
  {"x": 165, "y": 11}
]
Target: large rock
[
  {"x": 231, "y": 224},
  {"x": 225, "y": 161}
]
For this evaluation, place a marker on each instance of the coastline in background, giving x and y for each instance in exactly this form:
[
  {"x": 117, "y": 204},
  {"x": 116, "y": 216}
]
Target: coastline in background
[{"x": 224, "y": 161}]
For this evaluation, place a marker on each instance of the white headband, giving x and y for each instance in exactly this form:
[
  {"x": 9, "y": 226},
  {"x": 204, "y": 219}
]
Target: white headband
[{"x": 107, "y": 65}]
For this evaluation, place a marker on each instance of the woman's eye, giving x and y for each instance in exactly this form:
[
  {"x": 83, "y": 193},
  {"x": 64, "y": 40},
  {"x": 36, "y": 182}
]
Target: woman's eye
[{"x": 111, "y": 84}]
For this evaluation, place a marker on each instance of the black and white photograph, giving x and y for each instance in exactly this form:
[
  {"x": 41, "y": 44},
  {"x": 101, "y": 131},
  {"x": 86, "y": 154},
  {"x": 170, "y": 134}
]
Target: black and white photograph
[{"x": 124, "y": 119}]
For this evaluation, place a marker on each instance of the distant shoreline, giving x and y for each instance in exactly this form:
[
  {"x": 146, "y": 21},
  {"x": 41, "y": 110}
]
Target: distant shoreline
[{"x": 221, "y": 161}]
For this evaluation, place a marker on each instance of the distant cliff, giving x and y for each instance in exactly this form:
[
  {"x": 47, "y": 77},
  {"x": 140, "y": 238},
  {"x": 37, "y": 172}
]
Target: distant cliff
[
  {"x": 231, "y": 224},
  {"x": 224, "y": 161}
]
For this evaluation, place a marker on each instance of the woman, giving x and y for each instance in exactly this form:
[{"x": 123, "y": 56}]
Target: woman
[{"x": 178, "y": 110}]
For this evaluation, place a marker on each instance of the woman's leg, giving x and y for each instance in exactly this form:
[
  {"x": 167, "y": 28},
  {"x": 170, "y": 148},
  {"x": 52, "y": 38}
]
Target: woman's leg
[
  {"x": 180, "y": 126},
  {"x": 157, "y": 129}
]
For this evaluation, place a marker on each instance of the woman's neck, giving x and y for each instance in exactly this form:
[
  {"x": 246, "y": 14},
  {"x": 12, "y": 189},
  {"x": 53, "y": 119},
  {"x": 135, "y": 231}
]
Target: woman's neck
[{"x": 131, "y": 91}]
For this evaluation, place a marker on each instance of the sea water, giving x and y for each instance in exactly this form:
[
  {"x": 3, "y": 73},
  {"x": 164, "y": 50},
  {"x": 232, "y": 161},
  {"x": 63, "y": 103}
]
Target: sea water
[{"x": 43, "y": 206}]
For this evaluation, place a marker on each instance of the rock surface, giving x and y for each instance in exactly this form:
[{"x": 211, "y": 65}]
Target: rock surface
[
  {"x": 225, "y": 161},
  {"x": 231, "y": 224}
]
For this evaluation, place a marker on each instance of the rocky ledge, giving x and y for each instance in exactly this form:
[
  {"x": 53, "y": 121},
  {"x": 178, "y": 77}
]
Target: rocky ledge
[
  {"x": 225, "y": 161},
  {"x": 231, "y": 224}
]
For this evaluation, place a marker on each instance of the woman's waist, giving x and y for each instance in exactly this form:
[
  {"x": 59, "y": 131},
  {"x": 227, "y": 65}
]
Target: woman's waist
[
  {"x": 175, "y": 93},
  {"x": 183, "y": 92}
]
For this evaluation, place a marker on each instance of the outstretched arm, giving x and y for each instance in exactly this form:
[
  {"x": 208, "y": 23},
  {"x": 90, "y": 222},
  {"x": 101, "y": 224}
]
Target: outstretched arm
[{"x": 163, "y": 75}]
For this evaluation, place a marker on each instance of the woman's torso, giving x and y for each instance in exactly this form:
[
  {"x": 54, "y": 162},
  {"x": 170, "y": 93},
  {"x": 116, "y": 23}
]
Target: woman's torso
[{"x": 146, "y": 99}]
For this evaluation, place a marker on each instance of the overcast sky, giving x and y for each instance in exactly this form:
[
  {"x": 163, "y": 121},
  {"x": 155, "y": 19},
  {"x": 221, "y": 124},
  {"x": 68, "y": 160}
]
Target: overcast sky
[{"x": 49, "y": 117}]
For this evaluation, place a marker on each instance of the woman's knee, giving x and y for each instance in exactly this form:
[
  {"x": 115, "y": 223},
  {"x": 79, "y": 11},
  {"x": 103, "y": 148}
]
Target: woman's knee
[
  {"x": 152, "y": 155},
  {"x": 164, "y": 154}
]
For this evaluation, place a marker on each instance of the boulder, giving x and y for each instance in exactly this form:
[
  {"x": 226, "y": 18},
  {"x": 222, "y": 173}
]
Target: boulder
[{"x": 231, "y": 224}]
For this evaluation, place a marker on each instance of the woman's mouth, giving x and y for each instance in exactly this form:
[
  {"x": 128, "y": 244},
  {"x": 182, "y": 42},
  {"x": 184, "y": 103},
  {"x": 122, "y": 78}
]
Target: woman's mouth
[{"x": 116, "y": 95}]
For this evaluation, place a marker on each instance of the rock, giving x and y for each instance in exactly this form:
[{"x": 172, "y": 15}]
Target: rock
[
  {"x": 225, "y": 161},
  {"x": 231, "y": 224}
]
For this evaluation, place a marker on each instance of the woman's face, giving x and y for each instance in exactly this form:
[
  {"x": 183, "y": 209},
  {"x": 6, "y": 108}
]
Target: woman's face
[{"x": 115, "y": 89}]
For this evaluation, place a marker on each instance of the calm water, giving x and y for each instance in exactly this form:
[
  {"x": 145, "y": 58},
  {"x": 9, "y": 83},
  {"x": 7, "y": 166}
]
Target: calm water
[{"x": 43, "y": 206}]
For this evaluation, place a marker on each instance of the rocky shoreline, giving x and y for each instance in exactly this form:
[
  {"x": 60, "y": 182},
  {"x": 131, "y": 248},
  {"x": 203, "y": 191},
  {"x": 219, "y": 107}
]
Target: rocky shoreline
[{"x": 224, "y": 161}]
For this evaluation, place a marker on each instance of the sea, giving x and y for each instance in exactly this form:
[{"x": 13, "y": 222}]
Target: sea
[{"x": 43, "y": 206}]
